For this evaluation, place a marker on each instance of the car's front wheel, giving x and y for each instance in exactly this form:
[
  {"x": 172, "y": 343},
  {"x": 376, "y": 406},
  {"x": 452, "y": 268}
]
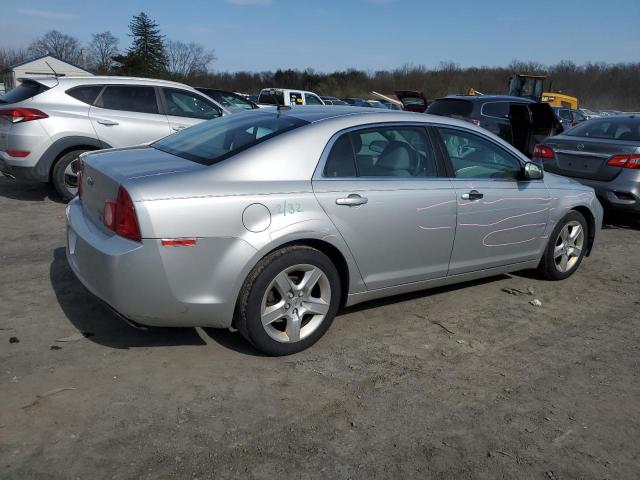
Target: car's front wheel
[
  {"x": 289, "y": 300},
  {"x": 65, "y": 177},
  {"x": 566, "y": 247}
]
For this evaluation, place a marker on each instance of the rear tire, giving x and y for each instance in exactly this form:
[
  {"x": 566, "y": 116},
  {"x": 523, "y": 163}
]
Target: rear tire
[
  {"x": 63, "y": 176},
  {"x": 566, "y": 247},
  {"x": 289, "y": 300}
]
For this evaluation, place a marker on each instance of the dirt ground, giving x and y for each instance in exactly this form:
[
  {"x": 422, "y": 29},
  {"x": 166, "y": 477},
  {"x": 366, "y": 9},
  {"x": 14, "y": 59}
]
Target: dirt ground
[{"x": 461, "y": 382}]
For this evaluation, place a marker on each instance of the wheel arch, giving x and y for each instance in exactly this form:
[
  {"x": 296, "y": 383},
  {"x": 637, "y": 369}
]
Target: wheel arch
[
  {"x": 62, "y": 146},
  {"x": 591, "y": 225},
  {"x": 334, "y": 254}
]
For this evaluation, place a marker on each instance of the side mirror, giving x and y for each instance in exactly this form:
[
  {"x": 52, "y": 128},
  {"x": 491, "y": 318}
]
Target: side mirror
[{"x": 532, "y": 171}]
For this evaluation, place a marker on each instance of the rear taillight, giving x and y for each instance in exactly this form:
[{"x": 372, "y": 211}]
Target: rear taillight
[
  {"x": 543, "y": 152},
  {"x": 475, "y": 122},
  {"x": 20, "y": 115},
  {"x": 625, "y": 161},
  {"x": 78, "y": 166},
  {"x": 120, "y": 216}
]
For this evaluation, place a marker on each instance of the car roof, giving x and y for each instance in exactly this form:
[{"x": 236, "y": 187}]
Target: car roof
[{"x": 51, "y": 81}]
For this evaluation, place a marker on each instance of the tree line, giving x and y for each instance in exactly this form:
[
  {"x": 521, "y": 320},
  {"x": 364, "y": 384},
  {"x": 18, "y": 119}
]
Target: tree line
[{"x": 597, "y": 85}]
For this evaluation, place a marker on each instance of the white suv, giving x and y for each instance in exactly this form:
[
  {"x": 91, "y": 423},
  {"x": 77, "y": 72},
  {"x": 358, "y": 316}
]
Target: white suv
[
  {"x": 288, "y": 98},
  {"x": 46, "y": 123}
]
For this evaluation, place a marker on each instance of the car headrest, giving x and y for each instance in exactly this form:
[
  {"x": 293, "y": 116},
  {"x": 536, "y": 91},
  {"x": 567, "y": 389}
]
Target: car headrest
[{"x": 396, "y": 156}]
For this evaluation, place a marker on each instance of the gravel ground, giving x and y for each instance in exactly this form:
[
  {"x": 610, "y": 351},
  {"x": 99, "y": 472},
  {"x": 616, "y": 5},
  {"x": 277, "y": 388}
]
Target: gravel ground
[{"x": 462, "y": 382}]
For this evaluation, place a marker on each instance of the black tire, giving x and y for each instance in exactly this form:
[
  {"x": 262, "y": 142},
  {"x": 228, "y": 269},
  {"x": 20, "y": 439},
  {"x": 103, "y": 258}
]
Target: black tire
[
  {"x": 248, "y": 318},
  {"x": 58, "y": 174},
  {"x": 547, "y": 267}
]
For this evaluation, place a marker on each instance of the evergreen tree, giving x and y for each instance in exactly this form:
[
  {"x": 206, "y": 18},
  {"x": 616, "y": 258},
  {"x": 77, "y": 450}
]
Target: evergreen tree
[{"x": 146, "y": 56}]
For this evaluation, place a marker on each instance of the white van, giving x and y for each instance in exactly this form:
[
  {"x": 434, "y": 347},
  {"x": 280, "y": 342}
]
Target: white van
[{"x": 290, "y": 98}]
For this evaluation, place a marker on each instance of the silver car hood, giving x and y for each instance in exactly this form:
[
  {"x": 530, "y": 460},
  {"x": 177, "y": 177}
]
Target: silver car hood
[{"x": 558, "y": 181}]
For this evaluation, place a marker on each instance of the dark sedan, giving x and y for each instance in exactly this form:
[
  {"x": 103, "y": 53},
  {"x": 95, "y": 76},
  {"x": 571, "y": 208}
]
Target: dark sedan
[{"x": 603, "y": 153}]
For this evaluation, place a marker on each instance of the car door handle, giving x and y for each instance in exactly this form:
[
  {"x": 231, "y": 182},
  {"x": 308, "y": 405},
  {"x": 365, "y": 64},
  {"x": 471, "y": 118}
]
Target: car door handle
[
  {"x": 179, "y": 127},
  {"x": 352, "y": 200},
  {"x": 108, "y": 123},
  {"x": 472, "y": 195}
]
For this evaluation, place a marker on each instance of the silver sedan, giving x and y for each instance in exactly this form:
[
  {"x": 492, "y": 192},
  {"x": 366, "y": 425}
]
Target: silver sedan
[{"x": 270, "y": 221}]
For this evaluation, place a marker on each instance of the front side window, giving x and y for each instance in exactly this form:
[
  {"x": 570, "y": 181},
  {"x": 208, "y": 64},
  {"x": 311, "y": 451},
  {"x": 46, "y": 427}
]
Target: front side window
[
  {"x": 474, "y": 157},
  {"x": 211, "y": 142},
  {"x": 129, "y": 98},
  {"x": 181, "y": 103},
  {"x": 312, "y": 99},
  {"x": 383, "y": 152}
]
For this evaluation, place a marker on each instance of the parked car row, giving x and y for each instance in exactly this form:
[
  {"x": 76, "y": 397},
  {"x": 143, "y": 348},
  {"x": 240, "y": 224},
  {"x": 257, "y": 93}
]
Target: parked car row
[{"x": 285, "y": 262}]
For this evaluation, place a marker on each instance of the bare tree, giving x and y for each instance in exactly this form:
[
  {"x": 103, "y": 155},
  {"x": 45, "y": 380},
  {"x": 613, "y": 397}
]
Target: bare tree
[
  {"x": 11, "y": 56},
  {"x": 102, "y": 49},
  {"x": 59, "y": 44},
  {"x": 185, "y": 60}
]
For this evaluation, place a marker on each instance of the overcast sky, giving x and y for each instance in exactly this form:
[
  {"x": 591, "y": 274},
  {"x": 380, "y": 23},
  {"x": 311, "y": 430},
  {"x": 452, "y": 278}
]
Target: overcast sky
[{"x": 329, "y": 35}]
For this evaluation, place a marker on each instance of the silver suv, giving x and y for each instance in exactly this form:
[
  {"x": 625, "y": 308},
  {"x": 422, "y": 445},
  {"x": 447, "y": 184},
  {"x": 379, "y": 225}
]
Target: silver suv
[{"x": 46, "y": 123}]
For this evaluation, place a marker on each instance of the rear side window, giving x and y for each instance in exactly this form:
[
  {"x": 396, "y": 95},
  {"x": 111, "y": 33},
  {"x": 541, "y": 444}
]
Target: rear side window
[
  {"x": 312, "y": 99},
  {"x": 451, "y": 107},
  {"x": 271, "y": 98},
  {"x": 382, "y": 152},
  {"x": 86, "y": 94},
  {"x": 129, "y": 98},
  {"x": 564, "y": 114},
  {"x": 496, "y": 109},
  {"x": 27, "y": 89},
  {"x": 211, "y": 142}
]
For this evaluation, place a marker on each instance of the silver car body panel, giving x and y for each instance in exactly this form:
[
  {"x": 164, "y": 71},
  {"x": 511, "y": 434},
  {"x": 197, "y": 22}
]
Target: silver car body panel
[{"x": 410, "y": 234}]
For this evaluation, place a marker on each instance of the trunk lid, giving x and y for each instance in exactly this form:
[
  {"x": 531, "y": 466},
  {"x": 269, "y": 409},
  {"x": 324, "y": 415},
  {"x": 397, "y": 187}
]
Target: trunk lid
[
  {"x": 583, "y": 157},
  {"x": 106, "y": 170},
  {"x": 413, "y": 101}
]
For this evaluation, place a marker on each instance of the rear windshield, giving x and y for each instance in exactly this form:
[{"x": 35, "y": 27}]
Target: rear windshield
[
  {"x": 451, "y": 106},
  {"x": 213, "y": 141},
  {"x": 23, "y": 91},
  {"x": 620, "y": 128},
  {"x": 271, "y": 98}
]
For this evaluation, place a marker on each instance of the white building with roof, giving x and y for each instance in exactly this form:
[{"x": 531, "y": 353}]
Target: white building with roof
[{"x": 44, "y": 66}]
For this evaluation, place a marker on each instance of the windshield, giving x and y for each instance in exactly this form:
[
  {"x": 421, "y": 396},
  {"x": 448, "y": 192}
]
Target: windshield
[
  {"x": 618, "y": 128},
  {"x": 213, "y": 141},
  {"x": 27, "y": 89}
]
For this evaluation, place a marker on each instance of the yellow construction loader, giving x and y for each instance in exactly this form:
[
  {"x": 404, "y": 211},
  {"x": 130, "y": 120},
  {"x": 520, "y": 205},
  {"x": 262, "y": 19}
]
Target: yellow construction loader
[{"x": 532, "y": 86}]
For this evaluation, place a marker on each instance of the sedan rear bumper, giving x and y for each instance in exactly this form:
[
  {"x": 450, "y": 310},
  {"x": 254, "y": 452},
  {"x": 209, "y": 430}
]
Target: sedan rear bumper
[
  {"x": 622, "y": 193},
  {"x": 154, "y": 285}
]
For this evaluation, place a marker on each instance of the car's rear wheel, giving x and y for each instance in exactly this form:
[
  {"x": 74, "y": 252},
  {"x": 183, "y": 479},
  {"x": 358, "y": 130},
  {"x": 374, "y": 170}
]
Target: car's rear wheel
[
  {"x": 65, "y": 177},
  {"x": 289, "y": 300},
  {"x": 566, "y": 247}
]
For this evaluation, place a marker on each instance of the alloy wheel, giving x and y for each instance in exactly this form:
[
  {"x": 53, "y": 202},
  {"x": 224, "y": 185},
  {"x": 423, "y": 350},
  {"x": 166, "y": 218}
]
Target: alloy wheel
[
  {"x": 295, "y": 303},
  {"x": 568, "y": 247}
]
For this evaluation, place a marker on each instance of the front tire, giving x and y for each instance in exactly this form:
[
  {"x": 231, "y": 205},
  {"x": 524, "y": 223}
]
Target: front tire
[
  {"x": 65, "y": 178},
  {"x": 289, "y": 300},
  {"x": 566, "y": 247}
]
